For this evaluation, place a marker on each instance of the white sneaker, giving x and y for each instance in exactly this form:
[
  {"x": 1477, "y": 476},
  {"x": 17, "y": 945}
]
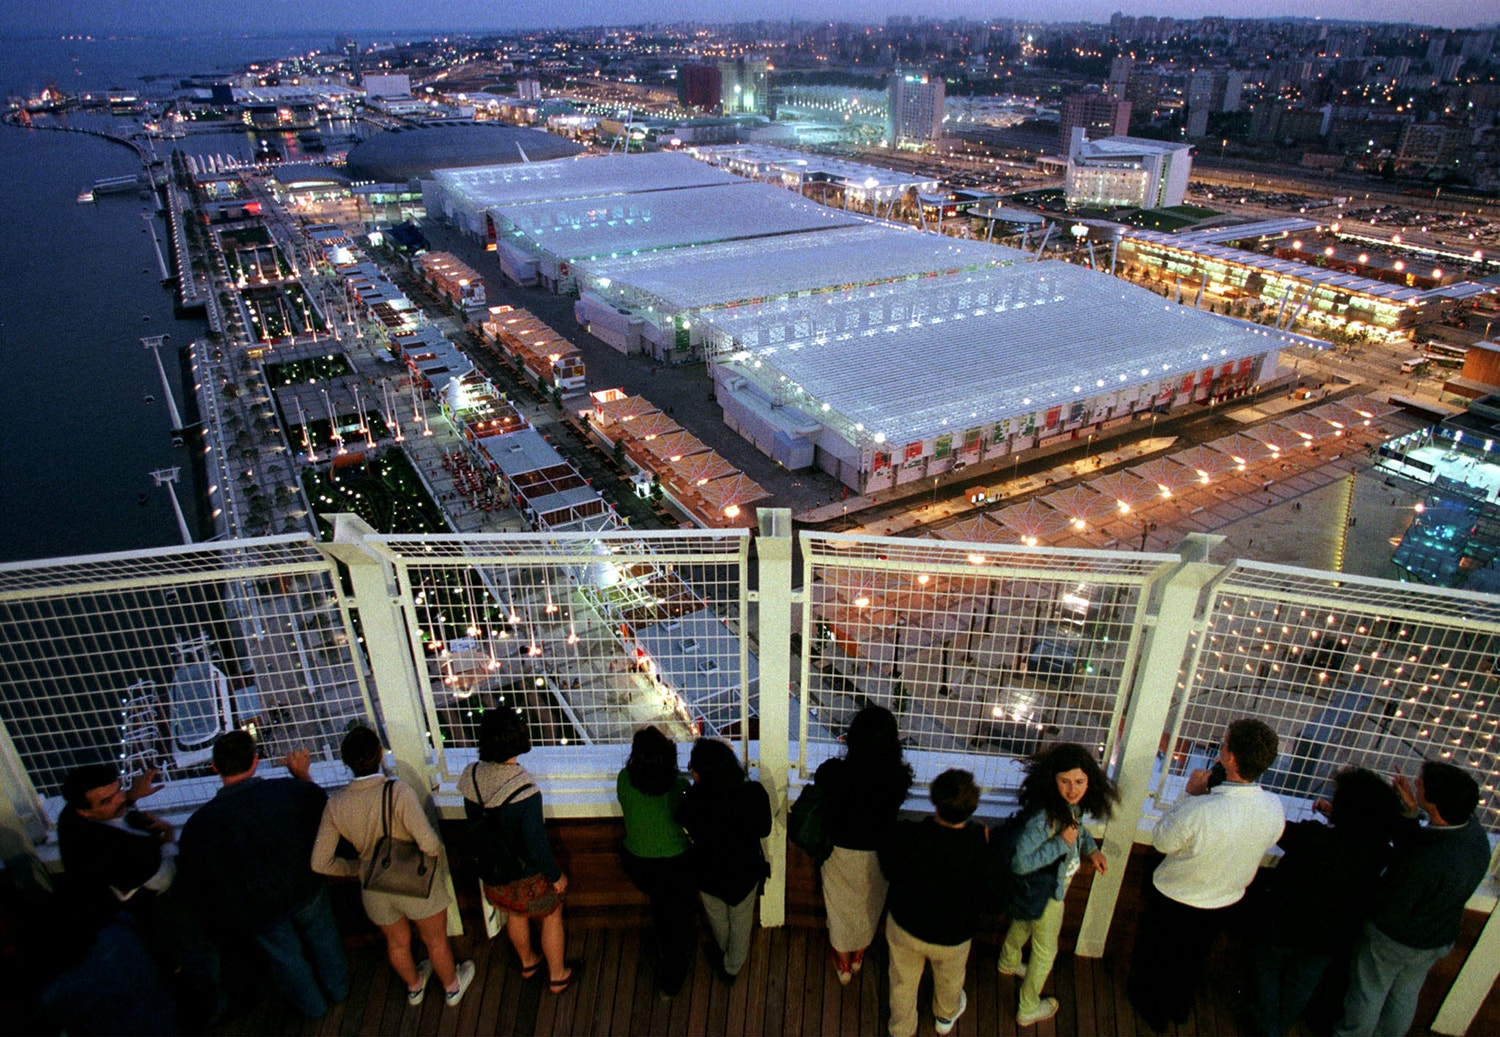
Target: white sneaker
[
  {"x": 1046, "y": 1009},
  {"x": 465, "y": 972},
  {"x": 414, "y": 995},
  {"x": 945, "y": 1026},
  {"x": 1019, "y": 971}
]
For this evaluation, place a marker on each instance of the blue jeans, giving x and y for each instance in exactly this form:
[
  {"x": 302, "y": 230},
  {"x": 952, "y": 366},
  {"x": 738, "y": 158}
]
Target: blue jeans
[
  {"x": 307, "y": 956},
  {"x": 1384, "y": 982},
  {"x": 1285, "y": 979}
]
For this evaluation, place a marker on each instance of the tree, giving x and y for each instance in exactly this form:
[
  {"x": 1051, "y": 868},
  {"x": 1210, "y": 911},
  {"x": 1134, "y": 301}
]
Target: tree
[{"x": 619, "y": 451}]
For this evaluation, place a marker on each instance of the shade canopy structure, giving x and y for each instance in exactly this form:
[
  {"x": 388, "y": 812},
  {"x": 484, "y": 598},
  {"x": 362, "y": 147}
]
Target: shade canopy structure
[
  {"x": 653, "y": 426},
  {"x": 1339, "y": 416},
  {"x": 1242, "y": 448},
  {"x": 674, "y": 446},
  {"x": 1081, "y": 504},
  {"x": 1276, "y": 437},
  {"x": 1203, "y": 460},
  {"x": 627, "y": 409},
  {"x": 1308, "y": 426},
  {"x": 1166, "y": 473},
  {"x": 701, "y": 469},
  {"x": 732, "y": 491},
  {"x": 1369, "y": 406},
  {"x": 1033, "y": 519},
  {"x": 978, "y": 529},
  {"x": 1124, "y": 487}
]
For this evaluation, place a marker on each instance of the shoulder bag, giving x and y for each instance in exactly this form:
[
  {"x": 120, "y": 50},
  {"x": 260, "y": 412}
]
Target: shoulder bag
[{"x": 397, "y": 866}]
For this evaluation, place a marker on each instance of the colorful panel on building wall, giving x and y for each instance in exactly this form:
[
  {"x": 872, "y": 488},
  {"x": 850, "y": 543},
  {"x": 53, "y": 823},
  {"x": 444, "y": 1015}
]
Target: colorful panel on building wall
[
  {"x": 1246, "y": 364},
  {"x": 1054, "y": 415},
  {"x": 971, "y": 438},
  {"x": 881, "y": 461},
  {"x": 942, "y": 446},
  {"x": 1187, "y": 385},
  {"x": 913, "y": 452}
]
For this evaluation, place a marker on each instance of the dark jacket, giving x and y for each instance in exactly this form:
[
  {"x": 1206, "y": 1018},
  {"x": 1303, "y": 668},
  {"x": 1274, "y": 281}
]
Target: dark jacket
[
  {"x": 1317, "y": 896},
  {"x": 939, "y": 878},
  {"x": 98, "y": 856},
  {"x": 245, "y": 856},
  {"x": 726, "y": 831},
  {"x": 861, "y": 808},
  {"x": 1433, "y": 872}
]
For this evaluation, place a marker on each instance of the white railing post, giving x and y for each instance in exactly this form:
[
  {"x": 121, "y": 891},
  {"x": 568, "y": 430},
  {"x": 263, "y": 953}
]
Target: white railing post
[
  {"x": 774, "y": 549},
  {"x": 1145, "y": 720},
  {"x": 22, "y": 822},
  {"x": 387, "y": 646},
  {"x": 1475, "y": 979}
]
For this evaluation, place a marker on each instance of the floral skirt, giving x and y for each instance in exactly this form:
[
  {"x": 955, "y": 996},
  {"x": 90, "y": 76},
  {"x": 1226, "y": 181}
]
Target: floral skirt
[{"x": 532, "y": 896}]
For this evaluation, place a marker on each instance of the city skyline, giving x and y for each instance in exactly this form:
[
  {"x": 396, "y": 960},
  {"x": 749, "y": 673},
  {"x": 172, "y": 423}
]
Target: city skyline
[{"x": 155, "y": 17}]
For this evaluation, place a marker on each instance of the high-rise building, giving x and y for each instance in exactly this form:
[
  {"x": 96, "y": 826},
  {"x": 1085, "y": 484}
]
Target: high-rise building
[
  {"x": 1097, "y": 113},
  {"x": 914, "y": 107},
  {"x": 1209, "y": 91},
  {"x": 699, "y": 86},
  {"x": 744, "y": 85},
  {"x": 1119, "y": 75},
  {"x": 1121, "y": 172}
]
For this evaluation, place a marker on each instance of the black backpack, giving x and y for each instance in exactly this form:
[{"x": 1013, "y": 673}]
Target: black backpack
[
  {"x": 496, "y": 860},
  {"x": 1025, "y": 896}
]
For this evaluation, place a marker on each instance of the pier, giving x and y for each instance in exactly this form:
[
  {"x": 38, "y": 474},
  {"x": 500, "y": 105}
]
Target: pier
[
  {"x": 161, "y": 260},
  {"x": 154, "y": 343},
  {"x": 189, "y": 291},
  {"x": 118, "y": 184}
]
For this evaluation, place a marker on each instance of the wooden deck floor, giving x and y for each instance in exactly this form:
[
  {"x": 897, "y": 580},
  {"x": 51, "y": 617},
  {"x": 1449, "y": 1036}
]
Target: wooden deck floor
[{"x": 787, "y": 989}]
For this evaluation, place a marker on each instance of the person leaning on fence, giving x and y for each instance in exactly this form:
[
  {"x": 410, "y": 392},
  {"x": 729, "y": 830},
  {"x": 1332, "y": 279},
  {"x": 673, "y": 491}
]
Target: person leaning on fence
[
  {"x": 941, "y": 872},
  {"x": 650, "y": 789},
  {"x": 862, "y": 791},
  {"x": 356, "y": 813},
  {"x": 726, "y": 816},
  {"x": 497, "y": 783},
  {"x": 1062, "y": 784},
  {"x": 245, "y": 859},
  {"x": 1214, "y": 838},
  {"x": 1419, "y": 902},
  {"x": 1313, "y": 902}
]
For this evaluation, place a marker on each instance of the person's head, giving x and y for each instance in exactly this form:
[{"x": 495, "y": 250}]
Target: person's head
[
  {"x": 95, "y": 792},
  {"x": 1447, "y": 793},
  {"x": 652, "y": 765},
  {"x": 1250, "y": 747},
  {"x": 361, "y": 751},
  {"x": 1064, "y": 776},
  {"x": 714, "y": 764},
  {"x": 1363, "y": 805},
  {"x": 955, "y": 796},
  {"x": 504, "y": 734},
  {"x": 872, "y": 749},
  {"x": 235, "y": 755}
]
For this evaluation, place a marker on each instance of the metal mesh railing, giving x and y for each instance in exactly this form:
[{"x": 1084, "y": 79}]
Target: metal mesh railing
[
  {"x": 143, "y": 659},
  {"x": 1350, "y": 672},
  {"x": 593, "y": 635},
  {"x": 982, "y": 652}
]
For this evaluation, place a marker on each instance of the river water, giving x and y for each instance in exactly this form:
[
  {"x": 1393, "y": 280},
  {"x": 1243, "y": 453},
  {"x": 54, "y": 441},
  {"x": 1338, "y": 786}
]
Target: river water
[{"x": 79, "y": 287}]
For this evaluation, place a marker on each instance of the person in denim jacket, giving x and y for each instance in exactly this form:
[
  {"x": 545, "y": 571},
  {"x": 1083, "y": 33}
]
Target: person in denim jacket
[{"x": 1062, "y": 784}]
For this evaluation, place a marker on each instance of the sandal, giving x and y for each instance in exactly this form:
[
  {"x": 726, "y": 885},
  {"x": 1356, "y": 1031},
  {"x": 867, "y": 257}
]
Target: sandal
[
  {"x": 530, "y": 971},
  {"x": 560, "y": 986}
]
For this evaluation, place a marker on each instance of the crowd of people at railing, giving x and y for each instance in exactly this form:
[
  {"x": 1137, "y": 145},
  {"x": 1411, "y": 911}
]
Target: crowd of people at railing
[
  {"x": 474, "y": 485},
  {"x": 1369, "y": 895}
]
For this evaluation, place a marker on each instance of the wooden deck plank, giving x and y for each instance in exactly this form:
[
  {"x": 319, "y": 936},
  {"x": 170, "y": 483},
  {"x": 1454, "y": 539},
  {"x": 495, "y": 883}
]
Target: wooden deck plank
[
  {"x": 682, "y": 1004},
  {"x": 871, "y": 981},
  {"x": 1083, "y": 994},
  {"x": 816, "y": 971},
  {"x": 643, "y": 997},
  {"x": 631, "y": 971},
  {"x": 696, "y": 1021},
  {"x": 1103, "y": 982},
  {"x": 771, "y": 1011},
  {"x": 490, "y": 971},
  {"x": 796, "y": 975},
  {"x": 604, "y": 991}
]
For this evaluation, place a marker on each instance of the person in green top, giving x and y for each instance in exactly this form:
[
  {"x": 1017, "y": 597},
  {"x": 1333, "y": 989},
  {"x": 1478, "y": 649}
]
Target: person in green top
[{"x": 649, "y": 789}]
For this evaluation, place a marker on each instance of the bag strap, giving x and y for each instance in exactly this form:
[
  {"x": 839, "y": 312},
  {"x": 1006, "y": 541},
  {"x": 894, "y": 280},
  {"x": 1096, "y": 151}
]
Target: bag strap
[
  {"x": 513, "y": 795},
  {"x": 387, "y": 796}
]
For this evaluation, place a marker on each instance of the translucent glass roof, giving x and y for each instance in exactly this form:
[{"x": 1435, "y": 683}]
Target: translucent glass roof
[
  {"x": 915, "y": 359},
  {"x": 621, "y": 224},
  {"x": 762, "y": 158},
  {"x": 481, "y": 187},
  {"x": 711, "y": 275}
]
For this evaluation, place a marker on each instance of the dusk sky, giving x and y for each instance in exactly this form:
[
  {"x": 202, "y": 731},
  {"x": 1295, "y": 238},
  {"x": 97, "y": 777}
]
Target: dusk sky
[{"x": 166, "y": 17}]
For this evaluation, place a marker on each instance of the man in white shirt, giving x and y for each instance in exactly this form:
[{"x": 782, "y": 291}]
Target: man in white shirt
[{"x": 1214, "y": 837}]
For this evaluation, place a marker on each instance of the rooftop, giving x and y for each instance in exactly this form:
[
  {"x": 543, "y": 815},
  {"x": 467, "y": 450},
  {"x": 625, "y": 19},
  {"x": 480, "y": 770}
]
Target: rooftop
[
  {"x": 588, "y": 176},
  {"x": 910, "y": 360}
]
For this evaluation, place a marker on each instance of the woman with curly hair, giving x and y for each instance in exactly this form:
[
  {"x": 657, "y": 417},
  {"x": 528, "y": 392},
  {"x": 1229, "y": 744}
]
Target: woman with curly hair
[
  {"x": 863, "y": 790},
  {"x": 1062, "y": 784},
  {"x": 650, "y": 789}
]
